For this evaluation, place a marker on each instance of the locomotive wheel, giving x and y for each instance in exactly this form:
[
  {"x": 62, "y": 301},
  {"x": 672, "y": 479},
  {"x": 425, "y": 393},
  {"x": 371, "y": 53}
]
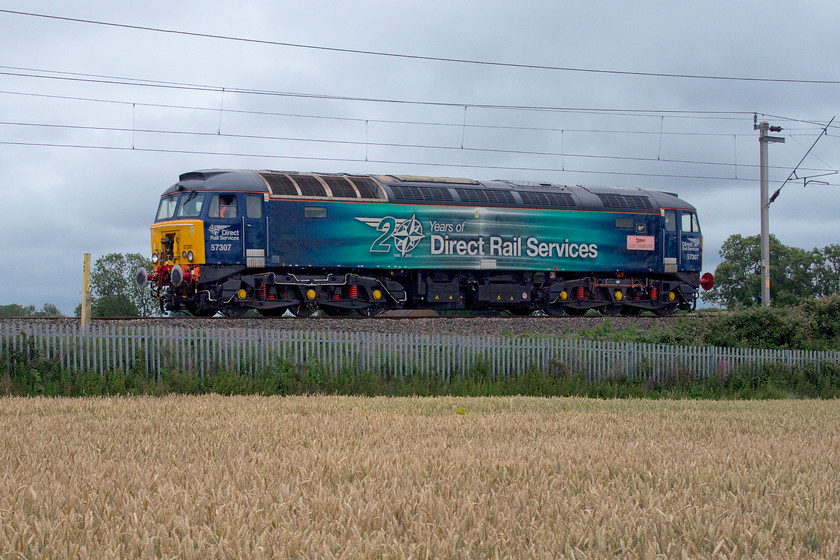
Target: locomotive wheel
[
  {"x": 336, "y": 311},
  {"x": 554, "y": 310},
  {"x": 520, "y": 311},
  {"x": 233, "y": 312},
  {"x": 303, "y": 309},
  {"x": 576, "y": 311},
  {"x": 630, "y": 311},
  {"x": 199, "y": 311},
  {"x": 203, "y": 312},
  {"x": 665, "y": 310},
  {"x": 611, "y": 310},
  {"x": 276, "y": 312},
  {"x": 372, "y": 311}
]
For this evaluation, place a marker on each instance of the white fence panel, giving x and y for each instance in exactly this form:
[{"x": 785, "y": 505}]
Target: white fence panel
[{"x": 157, "y": 349}]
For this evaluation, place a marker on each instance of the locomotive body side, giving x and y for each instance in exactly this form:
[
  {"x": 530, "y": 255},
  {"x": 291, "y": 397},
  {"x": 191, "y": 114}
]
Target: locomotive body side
[
  {"x": 417, "y": 237},
  {"x": 236, "y": 240}
]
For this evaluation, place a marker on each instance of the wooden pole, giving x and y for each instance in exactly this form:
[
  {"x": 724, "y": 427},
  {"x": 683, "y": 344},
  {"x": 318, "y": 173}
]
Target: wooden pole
[{"x": 86, "y": 302}]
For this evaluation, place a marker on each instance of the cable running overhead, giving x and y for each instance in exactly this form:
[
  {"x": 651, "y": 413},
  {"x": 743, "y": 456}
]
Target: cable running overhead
[{"x": 406, "y": 56}]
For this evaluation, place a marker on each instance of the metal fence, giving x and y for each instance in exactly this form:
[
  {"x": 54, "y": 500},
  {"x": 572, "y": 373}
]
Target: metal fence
[{"x": 156, "y": 349}]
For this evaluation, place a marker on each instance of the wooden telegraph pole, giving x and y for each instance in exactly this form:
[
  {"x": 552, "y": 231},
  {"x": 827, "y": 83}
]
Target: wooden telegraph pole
[{"x": 86, "y": 293}]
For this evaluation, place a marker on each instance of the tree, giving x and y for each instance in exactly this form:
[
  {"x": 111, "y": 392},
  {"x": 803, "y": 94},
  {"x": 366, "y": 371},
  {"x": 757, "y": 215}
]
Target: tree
[
  {"x": 50, "y": 310},
  {"x": 795, "y": 274},
  {"x": 114, "y": 306},
  {"x": 113, "y": 289},
  {"x": 17, "y": 310},
  {"x": 828, "y": 273}
]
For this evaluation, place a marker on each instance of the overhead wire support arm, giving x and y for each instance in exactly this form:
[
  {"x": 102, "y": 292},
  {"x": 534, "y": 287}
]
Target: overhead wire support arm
[{"x": 793, "y": 175}]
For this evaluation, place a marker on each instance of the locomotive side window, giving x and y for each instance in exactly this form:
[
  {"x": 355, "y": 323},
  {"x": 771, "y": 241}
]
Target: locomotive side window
[
  {"x": 253, "y": 206},
  {"x": 315, "y": 212},
  {"x": 191, "y": 205},
  {"x": 223, "y": 206},
  {"x": 167, "y": 208}
]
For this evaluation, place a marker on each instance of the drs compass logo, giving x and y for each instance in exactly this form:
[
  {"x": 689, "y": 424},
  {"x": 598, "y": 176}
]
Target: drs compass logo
[{"x": 404, "y": 234}]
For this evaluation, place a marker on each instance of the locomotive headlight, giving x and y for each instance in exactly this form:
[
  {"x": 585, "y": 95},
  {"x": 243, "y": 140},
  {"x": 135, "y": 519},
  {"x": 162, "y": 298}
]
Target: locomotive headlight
[
  {"x": 183, "y": 254},
  {"x": 155, "y": 258},
  {"x": 190, "y": 256}
]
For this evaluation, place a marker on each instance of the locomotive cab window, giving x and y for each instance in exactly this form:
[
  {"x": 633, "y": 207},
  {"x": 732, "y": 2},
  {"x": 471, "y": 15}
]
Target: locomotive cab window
[
  {"x": 253, "y": 206},
  {"x": 689, "y": 223},
  {"x": 167, "y": 208},
  {"x": 191, "y": 205},
  {"x": 223, "y": 206}
]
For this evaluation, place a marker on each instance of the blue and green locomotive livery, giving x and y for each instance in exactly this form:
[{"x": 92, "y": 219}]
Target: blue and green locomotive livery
[{"x": 234, "y": 240}]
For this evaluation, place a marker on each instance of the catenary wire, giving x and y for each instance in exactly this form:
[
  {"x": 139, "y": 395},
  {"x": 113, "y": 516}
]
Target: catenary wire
[
  {"x": 425, "y": 58},
  {"x": 379, "y": 161},
  {"x": 226, "y": 110},
  {"x": 392, "y": 145},
  {"x": 136, "y": 82}
]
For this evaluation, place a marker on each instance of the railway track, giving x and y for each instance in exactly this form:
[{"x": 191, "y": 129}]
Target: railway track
[{"x": 465, "y": 326}]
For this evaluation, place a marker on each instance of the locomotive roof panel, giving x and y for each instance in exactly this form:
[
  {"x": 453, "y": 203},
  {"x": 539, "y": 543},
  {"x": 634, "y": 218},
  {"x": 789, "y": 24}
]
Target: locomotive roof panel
[
  {"x": 409, "y": 189},
  {"x": 218, "y": 180}
]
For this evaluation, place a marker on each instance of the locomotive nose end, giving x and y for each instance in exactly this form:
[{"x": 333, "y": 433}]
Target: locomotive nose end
[{"x": 707, "y": 281}]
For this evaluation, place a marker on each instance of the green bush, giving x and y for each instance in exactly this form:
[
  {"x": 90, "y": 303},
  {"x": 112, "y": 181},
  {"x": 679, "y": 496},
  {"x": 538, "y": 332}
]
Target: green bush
[{"x": 813, "y": 325}]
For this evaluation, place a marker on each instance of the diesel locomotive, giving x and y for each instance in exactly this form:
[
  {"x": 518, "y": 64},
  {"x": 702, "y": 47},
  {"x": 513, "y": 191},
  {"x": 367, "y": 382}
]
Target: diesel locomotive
[{"x": 233, "y": 240}]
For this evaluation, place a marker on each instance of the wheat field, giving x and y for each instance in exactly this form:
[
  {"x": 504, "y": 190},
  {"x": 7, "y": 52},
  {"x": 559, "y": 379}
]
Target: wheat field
[{"x": 343, "y": 477}]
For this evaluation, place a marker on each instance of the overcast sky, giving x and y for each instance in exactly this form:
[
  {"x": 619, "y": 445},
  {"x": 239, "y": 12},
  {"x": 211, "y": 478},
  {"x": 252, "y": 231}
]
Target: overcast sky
[{"x": 97, "y": 120}]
